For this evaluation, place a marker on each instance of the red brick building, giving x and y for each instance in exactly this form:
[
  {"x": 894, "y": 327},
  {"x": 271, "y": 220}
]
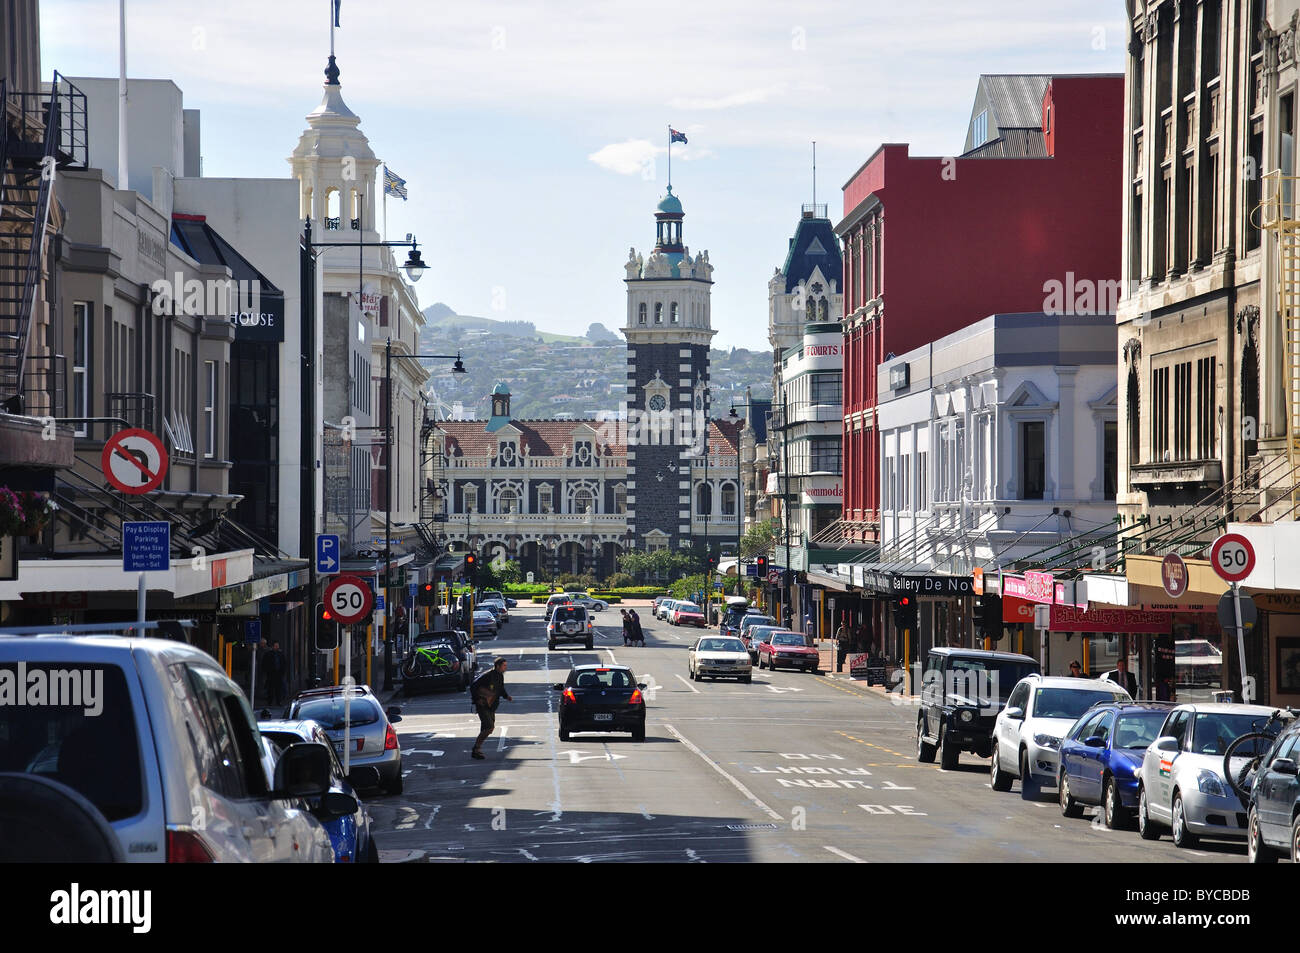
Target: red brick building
[{"x": 1034, "y": 198}]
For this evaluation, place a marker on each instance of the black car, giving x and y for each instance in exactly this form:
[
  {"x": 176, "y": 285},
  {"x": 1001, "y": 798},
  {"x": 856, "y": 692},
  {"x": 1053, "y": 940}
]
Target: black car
[
  {"x": 439, "y": 660},
  {"x": 962, "y": 692},
  {"x": 1273, "y": 821},
  {"x": 601, "y": 698}
]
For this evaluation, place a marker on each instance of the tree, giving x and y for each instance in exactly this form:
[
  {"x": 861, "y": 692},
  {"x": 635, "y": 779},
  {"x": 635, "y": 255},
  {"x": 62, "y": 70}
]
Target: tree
[{"x": 758, "y": 539}]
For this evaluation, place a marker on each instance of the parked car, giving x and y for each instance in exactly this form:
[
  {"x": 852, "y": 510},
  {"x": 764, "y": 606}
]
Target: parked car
[
  {"x": 736, "y": 609},
  {"x": 369, "y": 728},
  {"x": 1100, "y": 757},
  {"x": 788, "y": 649},
  {"x": 748, "y": 621},
  {"x": 686, "y": 613},
  {"x": 589, "y": 603},
  {"x": 498, "y": 610},
  {"x": 962, "y": 691},
  {"x": 1182, "y": 786},
  {"x": 663, "y": 608},
  {"x": 755, "y": 634},
  {"x": 559, "y": 599},
  {"x": 165, "y": 763},
  {"x": 1273, "y": 815},
  {"x": 719, "y": 656},
  {"x": 494, "y": 594},
  {"x": 485, "y": 624},
  {"x": 570, "y": 623},
  {"x": 601, "y": 698},
  {"x": 1197, "y": 662},
  {"x": 435, "y": 661},
  {"x": 349, "y": 833},
  {"x": 1027, "y": 733}
]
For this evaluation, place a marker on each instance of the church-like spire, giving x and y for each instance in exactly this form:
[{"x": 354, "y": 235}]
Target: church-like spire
[{"x": 668, "y": 224}]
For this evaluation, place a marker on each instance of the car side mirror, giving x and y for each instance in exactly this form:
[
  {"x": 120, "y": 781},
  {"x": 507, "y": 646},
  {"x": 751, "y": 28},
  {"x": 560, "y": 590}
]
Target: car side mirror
[
  {"x": 302, "y": 771},
  {"x": 364, "y": 776},
  {"x": 394, "y": 714},
  {"x": 1167, "y": 743},
  {"x": 1285, "y": 766},
  {"x": 1095, "y": 741},
  {"x": 1018, "y": 714},
  {"x": 336, "y": 804}
]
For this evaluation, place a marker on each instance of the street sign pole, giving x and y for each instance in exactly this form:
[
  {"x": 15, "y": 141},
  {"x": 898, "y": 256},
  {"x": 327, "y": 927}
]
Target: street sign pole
[
  {"x": 347, "y": 698},
  {"x": 140, "y": 599},
  {"x": 1246, "y": 694}
]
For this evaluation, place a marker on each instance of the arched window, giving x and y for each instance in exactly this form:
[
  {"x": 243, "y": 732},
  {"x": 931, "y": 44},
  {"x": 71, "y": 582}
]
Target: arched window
[
  {"x": 356, "y": 209},
  {"x": 508, "y": 501},
  {"x": 332, "y": 212},
  {"x": 824, "y": 309},
  {"x": 659, "y": 313},
  {"x": 675, "y": 317},
  {"x": 584, "y": 500},
  {"x": 641, "y": 313},
  {"x": 728, "y": 500},
  {"x": 704, "y": 500}
]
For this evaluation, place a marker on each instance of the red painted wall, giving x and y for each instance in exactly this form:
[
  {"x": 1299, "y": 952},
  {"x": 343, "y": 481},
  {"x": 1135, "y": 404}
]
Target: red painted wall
[{"x": 984, "y": 239}]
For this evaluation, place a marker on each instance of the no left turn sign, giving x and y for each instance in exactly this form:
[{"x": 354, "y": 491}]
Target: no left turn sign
[{"x": 134, "y": 461}]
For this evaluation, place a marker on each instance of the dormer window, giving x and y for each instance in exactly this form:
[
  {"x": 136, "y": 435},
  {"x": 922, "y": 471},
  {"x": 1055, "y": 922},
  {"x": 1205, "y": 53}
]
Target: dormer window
[{"x": 583, "y": 454}]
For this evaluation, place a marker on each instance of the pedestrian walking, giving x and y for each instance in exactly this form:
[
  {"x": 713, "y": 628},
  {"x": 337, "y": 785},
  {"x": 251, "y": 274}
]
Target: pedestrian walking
[
  {"x": 842, "y": 638},
  {"x": 627, "y": 627},
  {"x": 275, "y": 674},
  {"x": 486, "y": 694},
  {"x": 638, "y": 636}
]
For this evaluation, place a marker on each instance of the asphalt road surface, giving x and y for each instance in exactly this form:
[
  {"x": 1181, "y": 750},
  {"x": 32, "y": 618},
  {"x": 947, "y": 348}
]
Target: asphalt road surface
[{"x": 793, "y": 767}]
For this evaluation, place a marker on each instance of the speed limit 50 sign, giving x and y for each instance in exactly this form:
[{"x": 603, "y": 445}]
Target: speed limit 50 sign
[
  {"x": 1233, "y": 557},
  {"x": 349, "y": 598}
]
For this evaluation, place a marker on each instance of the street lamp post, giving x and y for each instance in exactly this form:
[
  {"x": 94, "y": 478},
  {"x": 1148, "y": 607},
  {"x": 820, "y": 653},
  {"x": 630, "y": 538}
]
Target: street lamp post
[{"x": 741, "y": 506}]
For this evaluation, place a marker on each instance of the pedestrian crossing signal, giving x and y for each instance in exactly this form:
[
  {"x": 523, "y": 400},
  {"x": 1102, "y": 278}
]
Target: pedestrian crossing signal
[{"x": 427, "y": 595}]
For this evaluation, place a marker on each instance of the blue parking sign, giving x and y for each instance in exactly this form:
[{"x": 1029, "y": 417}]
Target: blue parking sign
[
  {"x": 327, "y": 554},
  {"x": 146, "y": 546}
]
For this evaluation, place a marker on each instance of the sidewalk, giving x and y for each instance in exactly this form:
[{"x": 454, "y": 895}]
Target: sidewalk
[{"x": 827, "y": 650}]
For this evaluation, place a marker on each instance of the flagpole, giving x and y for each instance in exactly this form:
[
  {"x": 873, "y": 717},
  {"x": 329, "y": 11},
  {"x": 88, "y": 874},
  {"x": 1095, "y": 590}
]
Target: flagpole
[
  {"x": 385, "y": 203},
  {"x": 670, "y": 158},
  {"x": 332, "y": 27}
]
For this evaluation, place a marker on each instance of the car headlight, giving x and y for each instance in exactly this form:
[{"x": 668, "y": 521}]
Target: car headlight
[
  {"x": 1047, "y": 741},
  {"x": 966, "y": 716},
  {"x": 1210, "y": 783}
]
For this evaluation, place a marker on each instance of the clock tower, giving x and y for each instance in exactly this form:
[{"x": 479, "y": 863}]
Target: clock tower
[{"x": 668, "y": 331}]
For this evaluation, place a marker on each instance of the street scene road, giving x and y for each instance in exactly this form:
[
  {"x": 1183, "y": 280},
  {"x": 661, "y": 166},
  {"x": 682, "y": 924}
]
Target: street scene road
[{"x": 794, "y": 767}]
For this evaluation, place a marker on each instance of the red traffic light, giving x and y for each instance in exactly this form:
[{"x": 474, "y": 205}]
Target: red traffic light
[
  {"x": 904, "y": 601},
  {"x": 469, "y": 560},
  {"x": 325, "y": 616}
]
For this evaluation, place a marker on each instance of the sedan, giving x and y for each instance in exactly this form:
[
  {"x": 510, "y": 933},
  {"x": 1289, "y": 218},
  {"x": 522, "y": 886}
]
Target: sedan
[
  {"x": 434, "y": 663},
  {"x": 497, "y": 608},
  {"x": 1273, "y": 821},
  {"x": 601, "y": 698},
  {"x": 716, "y": 657},
  {"x": 369, "y": 727},
  {"x": 663, "y": 608},
  {"x": 1100, "y": 757},
  {"x": 686, "y": 613},
  {"x": 788, "y": 648},
  {"x": 485, "y": 623},
  {"x": 756, "y": 634},
  {"x": 586, "y": 601}
]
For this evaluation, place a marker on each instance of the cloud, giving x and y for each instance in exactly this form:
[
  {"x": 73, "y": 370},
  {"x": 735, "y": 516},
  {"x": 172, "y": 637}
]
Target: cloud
[
  {"x": 745, "y": 97},
  {"x": 629, "y": 157}
]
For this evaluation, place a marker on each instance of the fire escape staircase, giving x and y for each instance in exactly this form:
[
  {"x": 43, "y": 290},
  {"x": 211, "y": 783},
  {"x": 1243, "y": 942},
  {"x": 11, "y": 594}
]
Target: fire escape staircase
[
  {"x": 42, "y": 133},
  {"x": 431, "y": 467}
]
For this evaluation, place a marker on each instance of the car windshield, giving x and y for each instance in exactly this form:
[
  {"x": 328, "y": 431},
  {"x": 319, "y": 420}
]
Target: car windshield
[
  {"x": 329, "y": 712},
  {"x": 1138, "y": 729},
  {"x": 602, "y": 678},
  {"x": 687, "y": 607},
  {"x": 993, "y": 675},
  {"x": 1196, "y": 649},
  {"x": 1213, "y": 731},
  {"x": 787, "y": 638},
  {"x": 1067, "y": 702},
  {"x": 722, "y": 645},
  {"x": 752, "y": 620}
]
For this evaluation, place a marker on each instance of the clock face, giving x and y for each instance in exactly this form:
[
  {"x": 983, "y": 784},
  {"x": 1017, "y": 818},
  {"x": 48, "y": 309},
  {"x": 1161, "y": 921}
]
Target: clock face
[{"x": 657, "y": 402}]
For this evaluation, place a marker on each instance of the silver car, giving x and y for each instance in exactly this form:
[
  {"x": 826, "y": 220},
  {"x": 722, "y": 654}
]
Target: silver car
[
  {"x": 485, "y": 623},
  {"x": 368, "y": 731},
  {"x": 163, "y": 746},
  {"x": 716, "y": 656}
]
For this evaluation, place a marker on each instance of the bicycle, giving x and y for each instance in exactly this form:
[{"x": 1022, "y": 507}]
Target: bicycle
[
  {"x": 434, "y": 657},
  {"x": 1253, "y": 746}
]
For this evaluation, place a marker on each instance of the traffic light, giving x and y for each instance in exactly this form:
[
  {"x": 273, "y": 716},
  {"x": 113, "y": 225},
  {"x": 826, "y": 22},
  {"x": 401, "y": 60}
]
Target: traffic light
[
  {"x": 988, "y": 616},
  {"x": 327, "y": 630},
  {"x": 471, "y": 568},
  {"x": 427, "y": 595},
  {"x": 713, "y": 563},
  {"x": 905, "y": 612},
  {"x": 761, "y": 563}
]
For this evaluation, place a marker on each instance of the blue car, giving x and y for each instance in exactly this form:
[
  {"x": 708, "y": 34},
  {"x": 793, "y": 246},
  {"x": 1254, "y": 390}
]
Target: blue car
[
  {"x": 1100, "y": 756},
  {"x": 350, "y": 834}
]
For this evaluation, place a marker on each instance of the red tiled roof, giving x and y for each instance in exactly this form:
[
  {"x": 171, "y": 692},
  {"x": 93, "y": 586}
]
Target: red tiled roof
[{"x": 547, "y": 438}]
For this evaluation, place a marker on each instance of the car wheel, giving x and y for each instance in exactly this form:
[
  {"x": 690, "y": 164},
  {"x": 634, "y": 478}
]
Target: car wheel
[
  {"x": 748, "y": 679},
  {"x": 550, "y": 646},
  {"x": 1028, "y": 787},
  {"x": 999, "y": 780},
  {"x": 1257, "y": 852},
  {"x": 1116, "y": 814},
  {"x": 1069, "y": 806},
  {"x": 949, "y": 754},
  {"x": 564, "y": 734},
  {"x": 1182, "y": 836},
  {"x": 588, "y": 644},
  {"x": 1146, "y": 827},
  {"x": 372, "y": 852},
  {"x": 1295, "y": 841},
  {"x": 395, "y": 786},
  {"x": 924, "y": 750},
  {"x": 639, "y": 734}
]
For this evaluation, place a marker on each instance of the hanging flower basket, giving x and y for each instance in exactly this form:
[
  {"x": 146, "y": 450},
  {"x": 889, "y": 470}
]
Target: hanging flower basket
[{"x": 23, "y": 513}]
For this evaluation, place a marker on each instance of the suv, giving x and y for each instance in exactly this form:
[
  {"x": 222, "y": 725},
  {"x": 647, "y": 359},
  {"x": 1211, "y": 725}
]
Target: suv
[
  {"x": 370, "y": 729},
  {"x": 1027, "y": 733},
  {"x": 570, "y": 624},
  {"x": 146, "y": 746},
  {"x": 559, "y": 599},
  {"x": 962, "y": 691}
]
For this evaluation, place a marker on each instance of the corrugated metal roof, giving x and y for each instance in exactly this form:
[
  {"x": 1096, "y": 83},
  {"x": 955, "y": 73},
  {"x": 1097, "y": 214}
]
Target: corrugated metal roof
[{"x": 1015, "y": 99}]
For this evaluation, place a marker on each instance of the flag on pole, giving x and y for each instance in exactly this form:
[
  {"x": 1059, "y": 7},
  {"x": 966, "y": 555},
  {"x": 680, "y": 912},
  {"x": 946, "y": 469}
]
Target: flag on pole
[
  {"x": 393, "y": 185},
  {"x": 676, "y": 136},
  {"x": 337, "y": 4}
]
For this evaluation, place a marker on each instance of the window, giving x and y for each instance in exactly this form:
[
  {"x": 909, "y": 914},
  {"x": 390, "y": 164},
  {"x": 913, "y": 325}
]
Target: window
[
  {"x": 922, "y": 482},
  {"x": 641, "y": 313},
  {"x": 904, "y": 483},
  {"x": 620, "y": 499},
  {"x": 728, "y": 499},
  {"x": 980, "y": 133},
  {"x": 704, "y": 500},
  {"x": 469, "y": 498},
  {"x": 827, "y": 388},
  {"x": 1110, "y": 458},
  {"x": 81, "y": 322},
  {"x": 1159, "y": 414},
  {"x": 1183, "y": 411},
  {"x": 825, "y": 455},
  {"x": 675, "y": 317},
  {"x": 210, "y": 408},
  {"x": 545, "y": 499},
  {"x": 508, "y": 501},
  {"x": 584, "y": 500},
  {"x": 659, "y": 314},
  {"x": 1206, "y": 422},
  {"x": 1033, "y": 460}
]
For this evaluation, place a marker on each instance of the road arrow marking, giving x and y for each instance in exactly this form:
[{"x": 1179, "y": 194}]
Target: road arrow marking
[
  {"x": 577, "y": 757},
  {"x": 779, "y": 689}
]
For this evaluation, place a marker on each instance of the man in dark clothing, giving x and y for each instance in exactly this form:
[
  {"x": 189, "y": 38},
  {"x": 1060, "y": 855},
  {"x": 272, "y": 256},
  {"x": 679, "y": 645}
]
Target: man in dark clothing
[
  {"x": 486, "y": 694},
  {"x": 1124, "y": 678},
  {"x": 842, "y": 646},
  {"x": 275, "y": 672},
  {"x": 638, "y": 637}
]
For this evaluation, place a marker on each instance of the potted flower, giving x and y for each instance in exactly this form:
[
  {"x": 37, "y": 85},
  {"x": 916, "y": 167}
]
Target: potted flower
[{"x": 23, "y": 513}]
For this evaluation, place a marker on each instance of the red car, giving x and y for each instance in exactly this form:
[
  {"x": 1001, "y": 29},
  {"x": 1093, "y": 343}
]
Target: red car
[
  {"x": 788, "y": 649},
  {"x": 686, "y": 613}
]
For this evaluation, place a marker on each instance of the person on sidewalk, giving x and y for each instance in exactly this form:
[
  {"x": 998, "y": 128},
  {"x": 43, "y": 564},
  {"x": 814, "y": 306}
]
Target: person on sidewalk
[
  {"x": 1076, "y": 670},
  {"x": 486, "y": 694},
  {"x": 627, "y": 627},
  {"x": 638, "y": 636},
  {"x": 842, "y": 639},
  {"x": 1124, "y": 678}
]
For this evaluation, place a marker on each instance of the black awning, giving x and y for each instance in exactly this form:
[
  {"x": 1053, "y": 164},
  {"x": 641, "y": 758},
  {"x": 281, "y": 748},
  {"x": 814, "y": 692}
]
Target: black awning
[{"x": 257, "y": 312}]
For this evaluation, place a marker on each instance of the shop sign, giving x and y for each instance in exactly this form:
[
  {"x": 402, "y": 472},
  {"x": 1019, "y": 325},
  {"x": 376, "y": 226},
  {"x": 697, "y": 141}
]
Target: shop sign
[
  {"x": 1133, "y": 621},
  {"x": 1275, "y": 602},
  {"x": 934, "y": 585},
  {"x": 1041, "y": 589}
]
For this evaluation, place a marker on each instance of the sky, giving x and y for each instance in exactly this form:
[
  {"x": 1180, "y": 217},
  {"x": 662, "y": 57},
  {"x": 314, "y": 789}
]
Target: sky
[{"x": 533, "y": 135}]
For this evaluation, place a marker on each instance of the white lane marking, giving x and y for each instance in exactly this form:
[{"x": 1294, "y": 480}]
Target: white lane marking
[
  {"x": 557, "y": 806},
  {"x": 614, "y": 759},
  {"x": 434, "y": 813},
  {"x": 612, "y": 660},
  {"x": 501, "y": 742},
  {"x": 845, "y": 854},
  {"x": 526, "y": 854},
  {"x": 686, "y": 683},
  {"x": 694, "y": 858},
  {"x": 577, "y": 757},
  {"x": 644, "y": 813},
  {"x": 690, "y": 746}
]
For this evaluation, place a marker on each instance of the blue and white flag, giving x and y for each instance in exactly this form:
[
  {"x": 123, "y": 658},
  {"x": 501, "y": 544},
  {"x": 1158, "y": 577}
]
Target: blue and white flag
[{"x": 394, "y": 185}]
